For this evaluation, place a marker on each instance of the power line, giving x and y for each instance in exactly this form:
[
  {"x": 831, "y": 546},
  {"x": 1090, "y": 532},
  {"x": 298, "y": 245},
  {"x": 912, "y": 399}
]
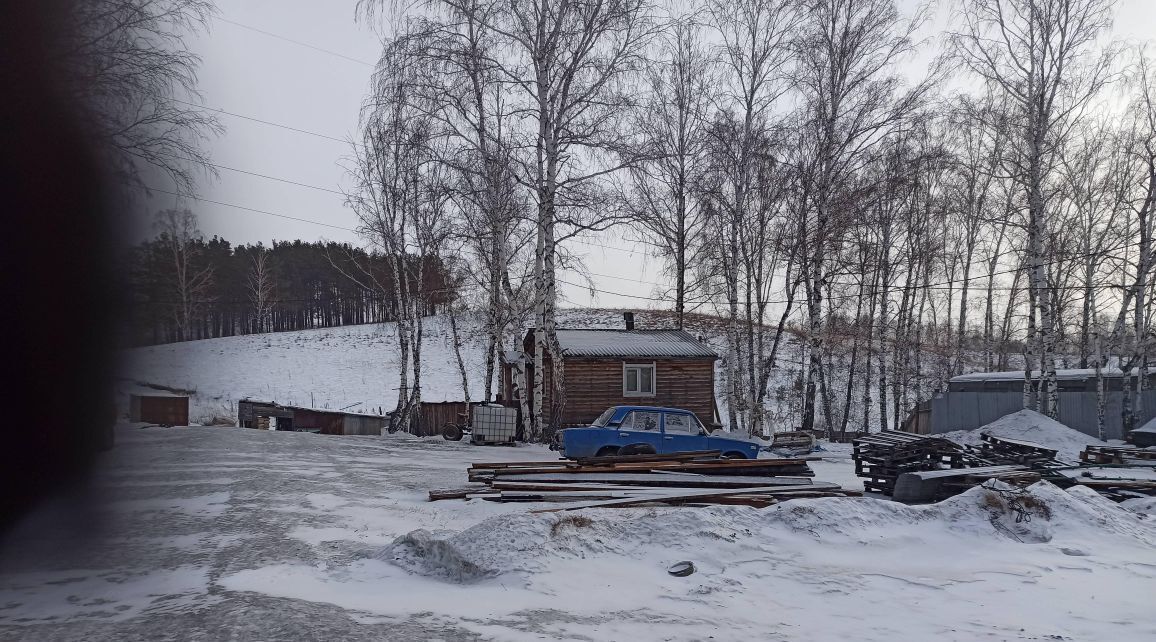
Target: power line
[
  {"x": 265, "y": 176},
  {"x": 297, "y": 42},
  {"x": 263, "y": 121},
  {"x": 242, "y": 207},
  {"x": 843, "y": 296}
]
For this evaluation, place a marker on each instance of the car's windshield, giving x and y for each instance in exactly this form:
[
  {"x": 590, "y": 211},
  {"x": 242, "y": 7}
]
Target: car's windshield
[{"x": 604, "y": 418}]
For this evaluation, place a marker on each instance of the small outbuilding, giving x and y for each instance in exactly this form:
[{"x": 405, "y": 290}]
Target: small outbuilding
[
  {"x": 267, "y": 415},
  {"x": 610, "y": 367},
  {"x": 977, "y": 399},
  {"x": 158, "y": 407},
  {"x": 1144, "y": 436}
]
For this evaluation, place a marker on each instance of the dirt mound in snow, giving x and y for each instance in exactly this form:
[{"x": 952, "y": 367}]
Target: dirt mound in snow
[
  {"x": 1029, "y": 425},
  {"x": 527, "y": 543}
]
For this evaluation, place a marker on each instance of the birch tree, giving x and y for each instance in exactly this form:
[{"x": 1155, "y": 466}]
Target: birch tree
[
  {"x": 191, "y": 276},
  {"x": 573, "y": 61},
  {"x": 1043, "y": 55},
  {"x": 261, "y": 285},
  {"x": 847, "y": 78},
  {"x": 754, "y": 58},
  {"x": 134, "y": 76},
  {"x": 673, "y": 122},
  {"x": 390, "y": 196}
]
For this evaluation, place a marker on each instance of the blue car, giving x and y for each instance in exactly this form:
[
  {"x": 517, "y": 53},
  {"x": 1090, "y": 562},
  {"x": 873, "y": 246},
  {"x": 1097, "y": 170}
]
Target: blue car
[{"x": 637, "y": 430}]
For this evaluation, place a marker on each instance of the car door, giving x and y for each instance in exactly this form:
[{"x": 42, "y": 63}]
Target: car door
[
  {"x": 681, "y": 432},
  {"x": 641, "y": 427}
]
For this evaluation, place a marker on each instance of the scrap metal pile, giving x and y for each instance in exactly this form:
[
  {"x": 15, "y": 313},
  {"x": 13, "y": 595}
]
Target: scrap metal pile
[
  {"x": 682, "y": 479},
  {"x": 918, "y": 468}
]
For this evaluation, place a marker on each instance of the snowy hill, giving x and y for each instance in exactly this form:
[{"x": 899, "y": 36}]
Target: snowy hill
[{"x": 350, "y": 366}]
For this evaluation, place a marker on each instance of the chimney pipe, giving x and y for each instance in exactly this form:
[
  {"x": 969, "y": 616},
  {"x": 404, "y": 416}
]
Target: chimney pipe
[{"x": 629, "y": 318}]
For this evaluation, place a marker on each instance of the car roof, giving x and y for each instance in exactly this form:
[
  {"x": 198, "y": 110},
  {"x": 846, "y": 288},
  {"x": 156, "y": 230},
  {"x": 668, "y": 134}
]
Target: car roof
[{"x": 652, "y": 409}]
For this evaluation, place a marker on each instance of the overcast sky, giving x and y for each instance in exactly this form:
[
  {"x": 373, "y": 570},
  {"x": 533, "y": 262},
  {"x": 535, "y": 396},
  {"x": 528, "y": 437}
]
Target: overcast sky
[{"x": 266, "y": 77}]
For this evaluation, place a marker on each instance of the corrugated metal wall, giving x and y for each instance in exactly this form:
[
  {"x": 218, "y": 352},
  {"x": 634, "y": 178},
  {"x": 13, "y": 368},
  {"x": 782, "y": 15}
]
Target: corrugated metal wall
[
  {"x": 969, "y": 410},
  {"x": 363, "y": 425}
]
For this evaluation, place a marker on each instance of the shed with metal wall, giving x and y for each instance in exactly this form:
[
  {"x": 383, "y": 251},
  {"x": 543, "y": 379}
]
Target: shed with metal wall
[{"x": 975, "y": 400}]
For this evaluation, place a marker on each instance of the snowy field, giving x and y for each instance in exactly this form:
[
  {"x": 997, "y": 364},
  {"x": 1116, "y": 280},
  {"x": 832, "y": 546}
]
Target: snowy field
[{"x": 226, "y": 533}]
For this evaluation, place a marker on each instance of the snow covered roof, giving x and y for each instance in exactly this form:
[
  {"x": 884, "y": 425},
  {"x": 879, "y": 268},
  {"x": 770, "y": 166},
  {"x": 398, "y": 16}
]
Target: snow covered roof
[
  {"x": 1148, "y": 427},
  {"x": 633, "y": 343},
  {"x": 1071, "y": 374}
]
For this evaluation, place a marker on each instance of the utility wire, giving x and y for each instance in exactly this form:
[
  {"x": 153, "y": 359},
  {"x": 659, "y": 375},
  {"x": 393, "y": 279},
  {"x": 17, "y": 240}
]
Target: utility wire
[
  {"x": 936, "y": 286},
  {"x": 242, "y": 207},
  {"x": 262, "y": 121},
  {"x": 296, "y": 42},
  {"x": 265, "y": 176}
]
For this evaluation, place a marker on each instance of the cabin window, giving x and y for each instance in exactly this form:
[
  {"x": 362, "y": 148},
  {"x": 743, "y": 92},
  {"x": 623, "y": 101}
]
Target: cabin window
[{"x": 638, "y": 379}]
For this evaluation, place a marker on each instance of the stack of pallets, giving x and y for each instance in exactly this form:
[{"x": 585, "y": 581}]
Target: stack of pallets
[
  {"x": 880, "y": 458},
  {"x": 695, "y": 478},
  {"x": 1007, "y": 451}
]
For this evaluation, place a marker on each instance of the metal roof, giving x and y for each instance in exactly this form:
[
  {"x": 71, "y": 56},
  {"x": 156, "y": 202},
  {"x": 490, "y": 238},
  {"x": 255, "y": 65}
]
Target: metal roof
[
  {"x": 1069, "y": 374},
  {"x": 633, "y": 343}
]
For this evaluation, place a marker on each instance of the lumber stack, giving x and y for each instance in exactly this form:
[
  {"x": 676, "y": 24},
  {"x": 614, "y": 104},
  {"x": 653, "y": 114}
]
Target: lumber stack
[{"x": 682, "y": 479}]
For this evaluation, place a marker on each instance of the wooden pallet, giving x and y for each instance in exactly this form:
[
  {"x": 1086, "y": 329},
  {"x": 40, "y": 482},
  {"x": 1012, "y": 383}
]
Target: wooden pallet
[{"x": 1117, "y": 455}]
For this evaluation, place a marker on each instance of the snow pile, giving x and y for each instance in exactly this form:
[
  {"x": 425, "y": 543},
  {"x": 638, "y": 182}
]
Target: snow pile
[
  {"x": 1029, "y": 425},
  {"x": 529, "y": 544}
]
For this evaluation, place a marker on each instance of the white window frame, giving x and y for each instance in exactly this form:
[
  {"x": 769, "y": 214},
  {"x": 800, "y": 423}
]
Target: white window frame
[{"x": 653, "y": 379}]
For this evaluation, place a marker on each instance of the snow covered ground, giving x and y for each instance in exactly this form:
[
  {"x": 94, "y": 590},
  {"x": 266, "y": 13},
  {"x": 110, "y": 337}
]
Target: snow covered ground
[{"x": 227, "y": 533}]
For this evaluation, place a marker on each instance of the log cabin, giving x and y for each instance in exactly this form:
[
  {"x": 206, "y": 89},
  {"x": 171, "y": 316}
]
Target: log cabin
[{"x": 610, "y": 367}]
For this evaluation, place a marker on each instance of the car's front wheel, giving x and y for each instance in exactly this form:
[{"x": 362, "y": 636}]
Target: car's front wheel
[
  {"x": 607, "y": 451},
  {"x": 734, "y": 454}
]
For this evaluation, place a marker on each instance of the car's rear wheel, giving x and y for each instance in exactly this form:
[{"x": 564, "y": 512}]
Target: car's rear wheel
[
  {"x": 638, "y": 449},
  {"x": 607, "y": 451},
  {"x": 734, "y": 454}
]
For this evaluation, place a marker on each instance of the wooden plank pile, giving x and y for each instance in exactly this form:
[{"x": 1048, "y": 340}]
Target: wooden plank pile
[
  {"x": 682, "y": 479},
  {"x": 1125, "y": 455},
  {"x": 880, "y": 458}
]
